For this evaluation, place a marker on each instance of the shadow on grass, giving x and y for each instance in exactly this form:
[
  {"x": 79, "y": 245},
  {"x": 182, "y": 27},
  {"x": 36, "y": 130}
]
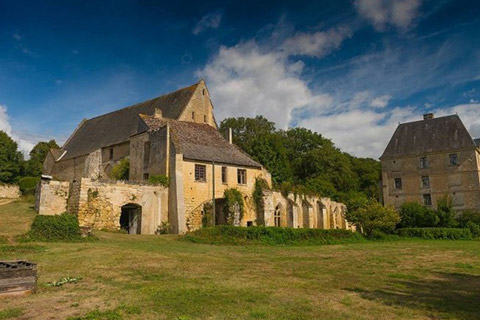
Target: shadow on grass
[{"x": 453, "y": 294}]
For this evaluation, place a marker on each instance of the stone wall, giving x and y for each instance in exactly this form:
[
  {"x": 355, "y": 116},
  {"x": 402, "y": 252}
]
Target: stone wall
[
  {"x": 52, "y": 197},
  {"x": 10, "y": 191},
  {"x": 100, "y": 204}
]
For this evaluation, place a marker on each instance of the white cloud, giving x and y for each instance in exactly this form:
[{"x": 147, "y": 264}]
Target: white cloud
[
  {"x": 209, "y": 21},
  {"x": 381, "y": 13},
  {"x": 24, "y": 145},
  {"x": 245, "y": 81},
  {"x": 316, "y": 44},
  {"x": 381, "y": 102}
]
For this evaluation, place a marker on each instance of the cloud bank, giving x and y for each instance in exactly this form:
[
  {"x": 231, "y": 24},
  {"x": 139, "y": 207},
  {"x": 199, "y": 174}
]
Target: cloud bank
[{"x": 24, "y": 145}]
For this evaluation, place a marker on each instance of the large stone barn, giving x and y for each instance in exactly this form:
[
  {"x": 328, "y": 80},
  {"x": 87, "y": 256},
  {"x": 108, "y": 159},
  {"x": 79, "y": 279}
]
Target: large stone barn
[{"x": 175, "y": 137}]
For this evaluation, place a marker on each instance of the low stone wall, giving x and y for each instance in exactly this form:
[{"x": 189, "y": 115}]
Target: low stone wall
[
  {"x": 51, "y": 197},
  {"x": 10, "y": 191}
]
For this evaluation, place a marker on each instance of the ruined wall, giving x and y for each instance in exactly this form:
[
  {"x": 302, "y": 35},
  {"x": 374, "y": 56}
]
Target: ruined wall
[
  {"x": 100, "y": 204},
  {"x": 197, "y": 193},
  {"x": 69, "y": 169},
  {"x": 460, "y": 181},
  {"x": 10, "y": 191},
  {"x": 137, "y": 143},
  {"x": 51, "y": 197}
]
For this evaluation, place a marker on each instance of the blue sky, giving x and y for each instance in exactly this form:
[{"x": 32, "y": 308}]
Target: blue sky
[{"x": 350, "y": 70}]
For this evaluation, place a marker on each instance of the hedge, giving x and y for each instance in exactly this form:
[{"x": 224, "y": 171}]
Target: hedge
[
  {"x": 271, "y": 236},
  {"x": 28, "y": 185},
  {"x": 436, "y": 233},
  {"x": 62, "y": 227}
]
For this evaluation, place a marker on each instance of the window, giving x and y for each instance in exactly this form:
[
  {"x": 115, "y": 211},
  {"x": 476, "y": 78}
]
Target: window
[
  {"x": 193, "y": 116},
  {"x": 277, "y": 217},
  {"x": 423, "y": 162},
  {"x": 425, "y": 181},
  {"x": 242, "y": 176},
  {"x": 111, "y": 154},
  {"x": 224, "y": 174},
  {"x": 398, "y": 183},
  {"x": 205, "y": 119},
  {"x": 249, "y": 223},
  {"x": 453, "y": 159},
  {"x": 427, "y": 199},
  {"x": 200, "y": 173},
  {"x": 203, "y": 92}
]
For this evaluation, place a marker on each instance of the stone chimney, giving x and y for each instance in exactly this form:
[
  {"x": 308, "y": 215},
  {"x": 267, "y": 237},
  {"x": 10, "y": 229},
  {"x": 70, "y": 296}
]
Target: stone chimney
[
  {"x": 230, "y": 135},
  {"x": 428, "y": 116},
  {"x": 158, "y": 113}
]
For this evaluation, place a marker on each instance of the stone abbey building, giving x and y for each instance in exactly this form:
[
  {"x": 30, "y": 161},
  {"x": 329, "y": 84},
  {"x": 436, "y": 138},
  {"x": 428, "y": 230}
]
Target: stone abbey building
[
  {"x": 428, "y": 159},
  {"x": 174, "y": 135}
]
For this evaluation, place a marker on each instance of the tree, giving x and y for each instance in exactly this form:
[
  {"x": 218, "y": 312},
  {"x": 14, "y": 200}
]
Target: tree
[
  {"x": 121, "y": 170},
  {"x": 374, "y": 217},
  {"x": 414, "y": 215},
  {"x": 34, "y": 166},
  {"x": 10, "y": 159},
  {"x": 445, "y": 212}
]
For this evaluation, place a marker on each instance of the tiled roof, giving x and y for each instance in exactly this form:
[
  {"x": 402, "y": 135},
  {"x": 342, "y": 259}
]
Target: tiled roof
[
  {"x": 117, "y": 127},
  {"x": 431, "y": 135},
  {"x": 201, "y": 142}
]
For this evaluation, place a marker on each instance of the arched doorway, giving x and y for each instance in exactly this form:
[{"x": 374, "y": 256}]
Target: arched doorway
[
  {"x": 306, "y": 214},
  {"x": 131, "y": 218},
  {"x": 290, "y": 215},
  {"x": 320, "y": 215}
]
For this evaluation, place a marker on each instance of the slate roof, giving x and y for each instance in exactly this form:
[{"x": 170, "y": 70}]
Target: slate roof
[
  {"x": 117, "y": 126},
  {"x": 201, "y": 142},
  {"x": 425, "y": 136}
]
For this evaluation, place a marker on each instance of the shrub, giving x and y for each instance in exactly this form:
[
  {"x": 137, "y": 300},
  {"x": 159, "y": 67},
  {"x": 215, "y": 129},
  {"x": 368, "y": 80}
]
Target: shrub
[
  {"x": 159, "y": 179},
  {"x": 414, "y": 215},
  {"x": 257, "y": 196},
  {"x": 271, "y": 236},
  {"x": 233, "y": 204},
  {"x": 121, "y": 170},
  {"x": 374, "y": 217},
  {"x": 28, "y": 185},
  {"x": 445, "y": 212},
  {"x": 469, "y": 219},
  {"x": 54, "y": 228},
  {"x": 436, "y": 233},
  {"x": 207, "y": 215}
]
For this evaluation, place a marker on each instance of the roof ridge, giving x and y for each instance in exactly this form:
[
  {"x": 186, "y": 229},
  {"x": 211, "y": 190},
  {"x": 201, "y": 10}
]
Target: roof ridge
[{"x": 142, "y": 102}]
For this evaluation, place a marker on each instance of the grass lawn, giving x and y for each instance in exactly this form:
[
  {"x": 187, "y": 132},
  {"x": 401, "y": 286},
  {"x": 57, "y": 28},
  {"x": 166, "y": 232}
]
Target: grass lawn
[{"x": 159, "y": 277}]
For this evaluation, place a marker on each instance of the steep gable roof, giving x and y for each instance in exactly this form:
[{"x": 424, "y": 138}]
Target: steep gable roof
[
  {"x": 117, "y": 126},
  {"x": 431, "y": 135},
  {"x": 202, "y": 142}
]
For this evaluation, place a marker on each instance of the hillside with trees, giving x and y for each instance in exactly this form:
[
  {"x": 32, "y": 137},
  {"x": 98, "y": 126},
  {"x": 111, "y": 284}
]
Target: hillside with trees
[{"x": 304, "y": 161}]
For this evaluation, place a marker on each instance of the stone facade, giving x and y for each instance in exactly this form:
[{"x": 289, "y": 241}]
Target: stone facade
[
  {"x": 9, "y": 191},
  {"x": 424, "y": 177},
  {"x": 52, "y": 197}
]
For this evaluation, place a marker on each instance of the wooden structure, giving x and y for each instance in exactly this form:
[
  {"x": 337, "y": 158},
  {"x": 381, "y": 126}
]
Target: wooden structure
[{"x": 17, "y": 277}]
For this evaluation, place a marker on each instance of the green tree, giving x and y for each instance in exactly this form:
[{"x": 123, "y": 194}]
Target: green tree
[
  {"x": 445, "y": 212},
  {"x": 121, "y": 170},
  {"x": 374, "y": 217},
  {"x": 414, "y": 215},
  {"x": 10, "y": 159},
  {"x": 34, "y": 165}
]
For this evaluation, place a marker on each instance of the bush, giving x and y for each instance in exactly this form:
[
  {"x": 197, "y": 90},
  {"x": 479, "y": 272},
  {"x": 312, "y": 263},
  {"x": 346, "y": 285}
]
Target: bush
[
  {"x": 28, "y": 185},
  {"x": 374, "y": 217},
  {"x": 121, "y": 170},
  {"x": 159, "y": 179},
  {"x": 271, "y": 236},
  {"x": 233, "y": 204},
  {"x": 414, "y": 215},
  {"x": 62, "y": 227},
  {"x": 445, "y": 212},
  {"x": 436, "y": 233}
]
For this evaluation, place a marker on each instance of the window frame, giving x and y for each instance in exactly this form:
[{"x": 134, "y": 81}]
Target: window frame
[
  {"x": 395, "y": 180},
  {"x": 242, "y": 176},
  {"x": 429, "y": 197},
  {"x": 425, "y": 178},
  {"x": 224, "y": 175},
  {"x": 197, "y": 173},
  {"x": 455, "y": 157},
  {"x": 423, "y": 162},
  {"x": 277, "y": 217}
]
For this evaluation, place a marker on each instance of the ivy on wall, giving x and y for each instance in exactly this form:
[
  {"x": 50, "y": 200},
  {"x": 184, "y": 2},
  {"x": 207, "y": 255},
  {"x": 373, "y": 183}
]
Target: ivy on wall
[{"x": 233, "y": 205}]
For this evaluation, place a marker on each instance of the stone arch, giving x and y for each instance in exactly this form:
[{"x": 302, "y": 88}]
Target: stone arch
[
  {"x": 321, "y": 212},
  {"x": 131, "y": 218},
  {"x": 290, "y": 215},
  {"x": 306, "y": 213}
]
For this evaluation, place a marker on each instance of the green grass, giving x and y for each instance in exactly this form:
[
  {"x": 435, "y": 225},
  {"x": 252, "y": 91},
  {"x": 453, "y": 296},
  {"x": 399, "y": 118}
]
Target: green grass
[
  {"x": 158, "y": 277},
  {"x": 11, "y": 313}
]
